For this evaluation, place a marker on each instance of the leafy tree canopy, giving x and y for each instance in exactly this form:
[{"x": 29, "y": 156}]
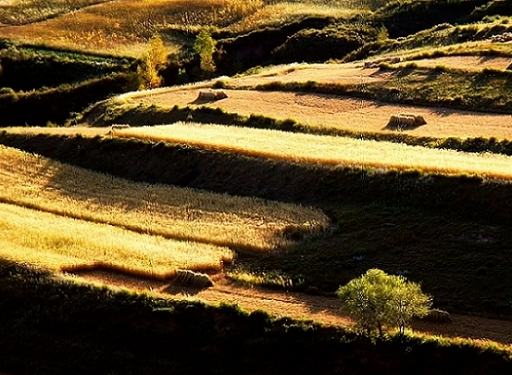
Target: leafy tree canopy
[{"x": 377, "y": 299}]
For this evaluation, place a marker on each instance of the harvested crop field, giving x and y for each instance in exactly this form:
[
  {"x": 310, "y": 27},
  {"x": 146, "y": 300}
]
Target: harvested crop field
[
  {"x": 332, "y": 111},
  {"x": 466, "y": 62},
  {"x": 62, "y": 243}
]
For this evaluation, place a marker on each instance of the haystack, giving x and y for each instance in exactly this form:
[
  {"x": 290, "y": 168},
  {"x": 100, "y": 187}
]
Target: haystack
[
  {"x": 211, "y": 95},
  {"x": 192, "y": 279},
  {"x": 375, "y": 63},
  {"x": 405, "y": 121}
]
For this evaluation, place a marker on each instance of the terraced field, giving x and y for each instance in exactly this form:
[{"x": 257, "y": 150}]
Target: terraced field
[
  {"x": 290, "y": 184},
  {"x": 97, "y": 221},
  {"x": 305, "y": 148},
  {"x": 339, "y": 112}
]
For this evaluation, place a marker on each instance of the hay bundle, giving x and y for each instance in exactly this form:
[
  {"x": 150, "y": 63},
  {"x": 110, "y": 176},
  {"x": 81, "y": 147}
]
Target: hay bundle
[
  {"x": 206, "y": 95},
  {"x": 509, "y": 67},
  {"x": 211, "y": 95},
  {"x": 192, "y": 279},
  {"x": 119, "y": 126},
  {"x": 115, "y": 127},
  {"x": 405, "y": 121},
  {"x": 438, "y": 316},
  {"x": 220, "y": 94}
]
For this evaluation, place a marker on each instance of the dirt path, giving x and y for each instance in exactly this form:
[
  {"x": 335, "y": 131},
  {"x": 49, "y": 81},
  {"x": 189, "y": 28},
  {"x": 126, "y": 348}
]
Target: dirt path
[{"x": 302, "y": 306}]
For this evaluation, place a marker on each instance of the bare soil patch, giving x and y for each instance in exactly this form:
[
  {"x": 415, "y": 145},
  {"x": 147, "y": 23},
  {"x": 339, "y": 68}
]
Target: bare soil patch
[{"x": 301, "y": 306}]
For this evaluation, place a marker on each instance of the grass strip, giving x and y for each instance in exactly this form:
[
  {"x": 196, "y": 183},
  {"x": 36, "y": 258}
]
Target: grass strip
[{"x": 56, "y": 326}]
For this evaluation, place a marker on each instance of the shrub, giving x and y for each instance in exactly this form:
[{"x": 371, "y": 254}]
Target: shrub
[
  {"x": 314, "y": 45},
  {"x": 204, "y": 46},
  {"x": 377, "y": 299},
  {"x": 152, "y": 62}
]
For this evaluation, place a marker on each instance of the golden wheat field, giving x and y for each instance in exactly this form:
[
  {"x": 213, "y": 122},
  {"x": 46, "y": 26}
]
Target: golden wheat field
[
  {"x": 308, "y": 148},
  {"x": 65, "y": 244},
  {"x": 250, "y": 224}
]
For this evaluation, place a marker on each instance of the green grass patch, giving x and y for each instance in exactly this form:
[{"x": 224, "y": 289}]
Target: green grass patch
[
  {"x": 443, "y": 39},
  {"x": 460, "y": 262}
]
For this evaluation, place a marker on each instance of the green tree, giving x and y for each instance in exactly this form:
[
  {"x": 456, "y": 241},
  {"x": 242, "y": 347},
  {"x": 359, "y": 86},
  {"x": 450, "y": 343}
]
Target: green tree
[
  {"x": 152, "y": 61},
  {"x": 204, "y": 46},
  {"x": 377, "y": 299}
]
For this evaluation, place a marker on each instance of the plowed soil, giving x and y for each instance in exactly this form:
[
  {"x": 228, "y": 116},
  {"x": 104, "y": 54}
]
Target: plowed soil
[{"x": 301, "y": 306}]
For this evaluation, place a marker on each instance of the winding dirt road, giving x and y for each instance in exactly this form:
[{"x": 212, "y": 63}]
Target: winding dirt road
[{"x": 300, "y": 306}]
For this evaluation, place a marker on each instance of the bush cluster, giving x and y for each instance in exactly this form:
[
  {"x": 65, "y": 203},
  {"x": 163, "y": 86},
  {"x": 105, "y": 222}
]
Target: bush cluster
[
  {"x": 319, "y": 45},
  {"x": 492, "y": 8},
  {"x": 405, "y": 18}
]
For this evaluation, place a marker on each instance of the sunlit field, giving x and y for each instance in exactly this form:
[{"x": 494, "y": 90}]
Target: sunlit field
[
  {"x": 326, "y": 149},
  {"x": 123, "y": 27},
  {"x": 20, "y": 12},
  {"x": 65, "y": 244},
  {"x": 249, "y": 224},
  {"x": 277, "y": 13}
]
